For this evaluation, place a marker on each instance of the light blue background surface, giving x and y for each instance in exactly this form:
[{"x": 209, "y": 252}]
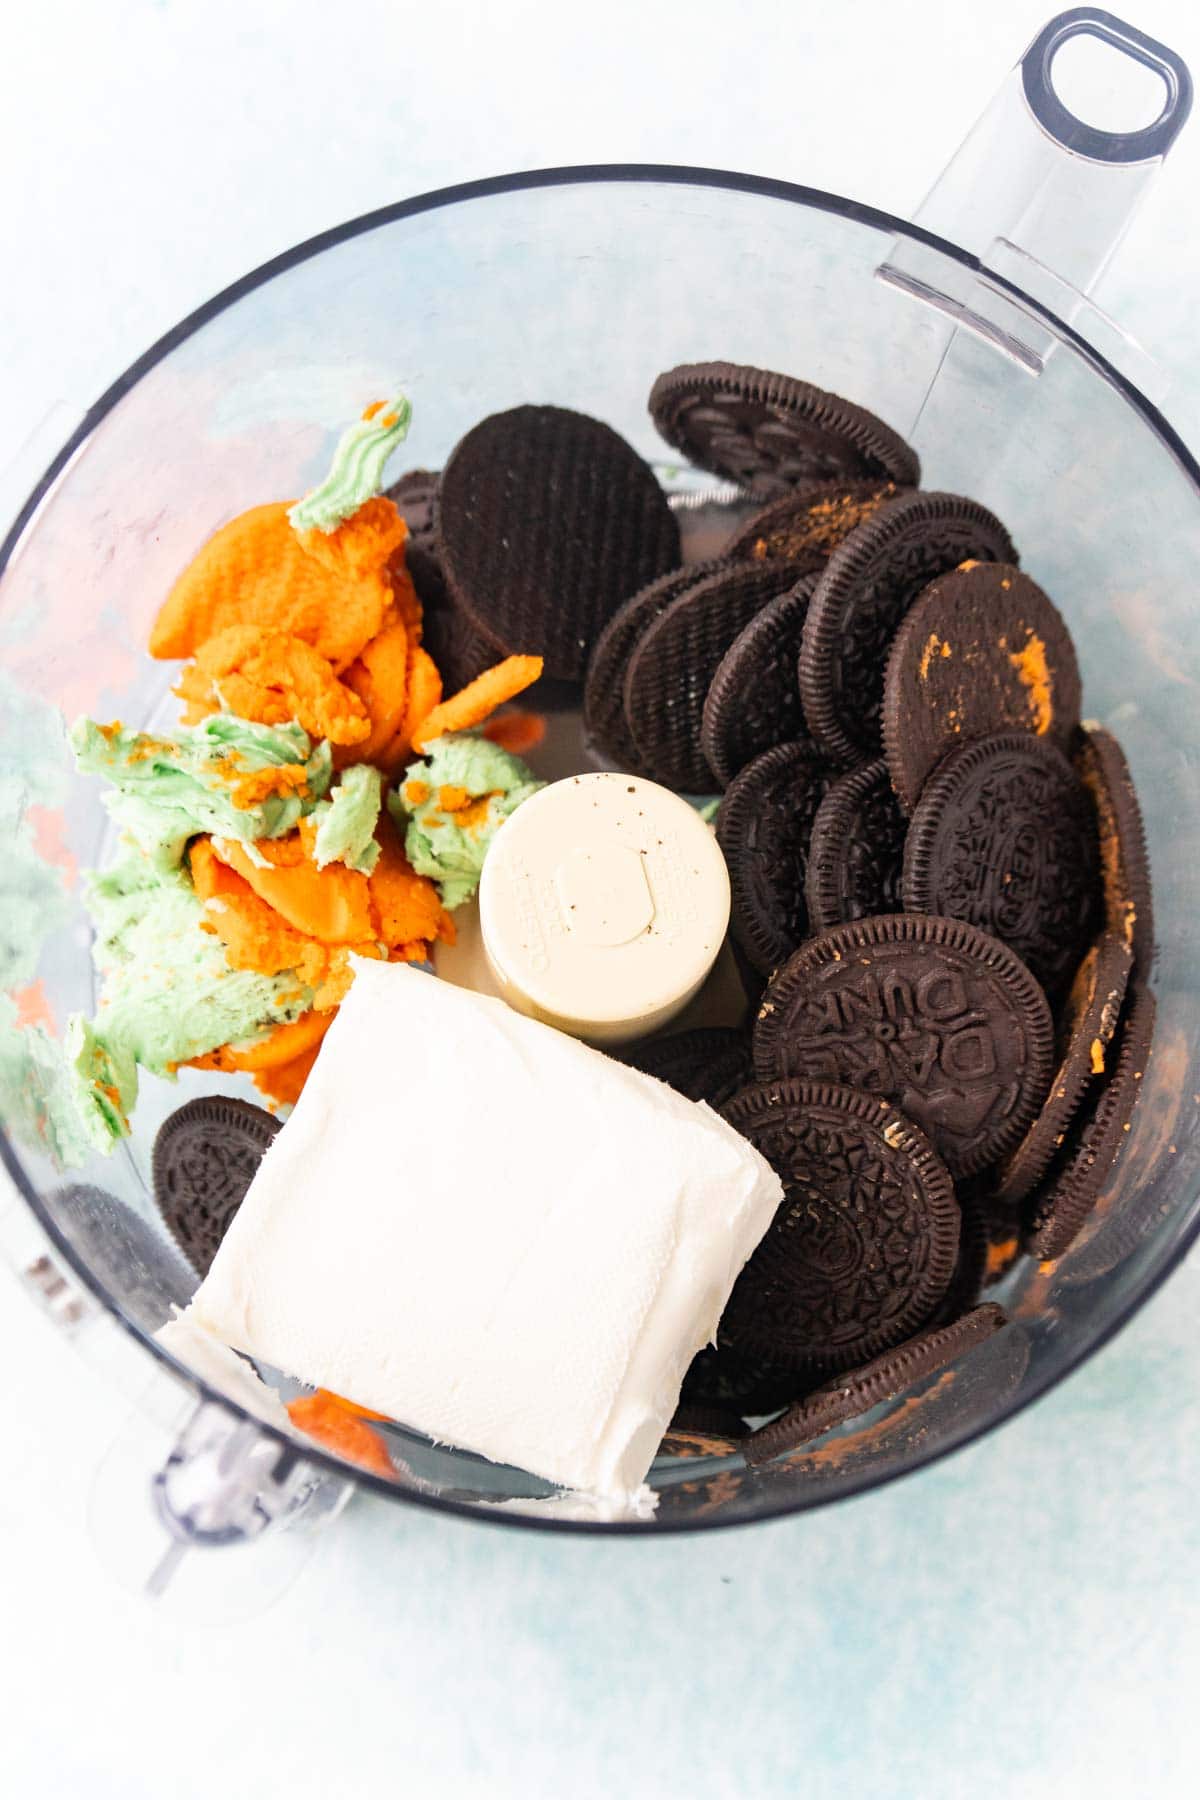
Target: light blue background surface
[{"x": 1020, "y": 1621}]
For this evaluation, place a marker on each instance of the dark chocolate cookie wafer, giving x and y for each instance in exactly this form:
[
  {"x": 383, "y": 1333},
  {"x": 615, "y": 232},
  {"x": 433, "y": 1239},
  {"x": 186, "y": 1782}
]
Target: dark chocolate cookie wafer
[
  {"x": 415, "y": 495},
  {"x": 856, "y": 851},
  {"x": 970, "y": 1271},
  {"x": 205, "y": 1157},
  {"x": 1087, "y": 1161},
  {"x": 710, "y": 1063},
  {"x": 1124, "y": 864},
  {"x": 1085, "y": 1029},
  {"x": 750, "y": 1386},
  {"x": 753, "y": 702},
  {"x": 862, "y": 595},
  {"x": 546, "y": 522},
  {"x": 810, "y": 521},
  {"x": 604, "y": 688},
  {"x": 459, "y": 650},
  {"x": 928, "y": 1012},
  {"x": 864, "y": 1242},
  {"x": 983, "y": 650},
  {"x": 1004, "y": 836},
  {"x": 673, "y": 663},
  {"x": 697, "y": 1431},
  {"x": 769, "y": 432},
  {"x": 884, "y": 1378},
  {"x": 763, "y": 828}
]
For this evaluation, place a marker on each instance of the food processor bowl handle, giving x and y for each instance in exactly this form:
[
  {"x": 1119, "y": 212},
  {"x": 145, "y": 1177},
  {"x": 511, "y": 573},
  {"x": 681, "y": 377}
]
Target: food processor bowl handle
[{"x": 1042, "y": 199}]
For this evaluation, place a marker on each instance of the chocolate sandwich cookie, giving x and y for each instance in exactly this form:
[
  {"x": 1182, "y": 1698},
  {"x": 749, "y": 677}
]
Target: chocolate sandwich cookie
[
  {"x": 770, "y": 432},
  {"x": 673, "y": 663},
  {"x": 763, "y": 827},
  {"x": 414, "y": 496},
  {"x": 1124, "y": 864},
  {"x": 982, "y": 651},
  {"x": 856, "y": 851},
  {"x": 546, "y": 522},
  {"x": 697, "y": 1431},
  {"x": 205, "y": 1157},
  {"x": 884, "y": 1378},
  {"x": 862, "y": 1246},
  {"x": 1085, "y": 1030},
  {"x": 753, "y": 702},
  {"x": 928, "y": 1012},
  {"x": 1004, "y": 836},
  {"x": 749, "y": 1386},
  {"x": 710, "y": 1063},
  {"x": 604, "y": 687},
  {"x": 1088, "y": 1159},
  {"x": 809, "y": 521},
  {"x": 970, "y": 1270},
  {"x": 861, "y": 597},
  {"x": 459, "y": 650}
]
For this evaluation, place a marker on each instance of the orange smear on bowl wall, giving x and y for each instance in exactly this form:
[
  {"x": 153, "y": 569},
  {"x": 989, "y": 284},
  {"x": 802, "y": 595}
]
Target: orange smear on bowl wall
[
  {"x": 340, "y": 1426},
  {"x": 517, "y": 732}
]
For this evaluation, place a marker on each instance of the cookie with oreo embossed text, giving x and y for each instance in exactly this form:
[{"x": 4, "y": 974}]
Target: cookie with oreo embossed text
[
  {"x": 547, "y": 521},
  {"x": 769, "y": 432},
  {"x": 982, "y": 651},
  {"x": 863, "y": 1245},
  {"x": 674, "y": 661},
  {"x": 884, "y": 1378},
  {"x": 927, "y": 1012},
  {"x": 861, "y": 597},
  {"x": 856, "y": 852},
  {"x": 753, "y": 701},
  {"x": 763, "y": 827},
  {"x": 1004, "y": 836}
]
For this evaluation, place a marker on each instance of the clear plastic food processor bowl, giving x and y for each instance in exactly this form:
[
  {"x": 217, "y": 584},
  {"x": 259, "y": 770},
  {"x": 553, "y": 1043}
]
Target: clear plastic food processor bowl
[{"x": 969, "y": 330}]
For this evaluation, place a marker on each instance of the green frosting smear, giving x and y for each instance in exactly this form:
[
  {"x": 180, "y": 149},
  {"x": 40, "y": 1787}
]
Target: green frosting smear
[
  {"x": 38, "y": 1092},
  {"x": 168, "y": 994},
  {"x": 356, "y": 473},
  {"x": 170, "y": 789},
  {"x": 450, "y": 845},
  {"x": 346, "y": 821}
]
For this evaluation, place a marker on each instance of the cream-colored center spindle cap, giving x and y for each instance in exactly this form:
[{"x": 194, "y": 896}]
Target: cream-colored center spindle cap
[{"x": 603, "y": 903}]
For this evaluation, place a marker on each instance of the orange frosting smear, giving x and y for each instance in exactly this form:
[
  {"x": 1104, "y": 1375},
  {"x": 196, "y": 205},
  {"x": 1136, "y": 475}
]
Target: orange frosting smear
[
  {"x": 256, "y": 937},
  {"x": 275, "y": 676},
  {"x": 1097, "y": 1048},
  {"x": 284, "y": 1085},
  {"x": 331, "y": 590},
  {"x": 424, "y": 693},
  {"x": 249, "y": 790},
  {"x": 474, "y": 703},
  {"x": 517, "y": 732},
  {"x": 1033, "y": 672},
  {"x": 330, "y": 904},
  {"x": 277, "y": 1050},
  {"x": 935, "y": 646},
  {"x": 407, "y": 906},
  {"x": 343, "y": 1428},
  {"x": 380, "y": 679}
]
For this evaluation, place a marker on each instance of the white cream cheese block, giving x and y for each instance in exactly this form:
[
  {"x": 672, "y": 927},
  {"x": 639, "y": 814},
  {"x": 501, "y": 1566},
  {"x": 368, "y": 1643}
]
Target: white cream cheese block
[{"x": 489, "y": 1232}]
